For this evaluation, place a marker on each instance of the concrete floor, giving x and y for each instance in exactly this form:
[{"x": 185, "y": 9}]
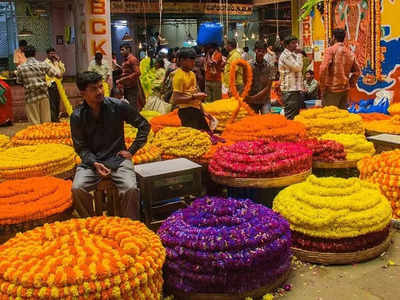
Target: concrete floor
[{"x": 377, "y": 279}]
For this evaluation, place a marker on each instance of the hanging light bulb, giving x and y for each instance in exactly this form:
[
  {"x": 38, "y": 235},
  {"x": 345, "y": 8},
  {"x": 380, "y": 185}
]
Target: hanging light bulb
[
  {"x": 140, "y": 45},
  {"x": 253, "y": 36},
  {"x": 236, "y": 34}
]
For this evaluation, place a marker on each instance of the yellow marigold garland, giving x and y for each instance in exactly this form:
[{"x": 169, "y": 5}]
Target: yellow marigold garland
[
  {"x": 93, "y": 258},
  {"x": 149, "y": 114},
  {"x": 356, "y": 146},
  {"x": 334, "y": 208},
  {"x": 330, "y": 119},
  {"x": 182, "y": 142},
  {"x": 385, "y": 126},
  {"x": 106, "y": 89},
  {"x": 37, "y": 160},
  {"x": 33, "y": 198},
  {"x": 46, "y": 133},
  {"x": 4, "y": 140},
  {"x": 63, "y": 96}
]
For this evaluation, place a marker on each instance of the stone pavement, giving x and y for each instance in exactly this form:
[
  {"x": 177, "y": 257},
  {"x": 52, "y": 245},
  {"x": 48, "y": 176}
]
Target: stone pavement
[{"x": 377, "y": 279}]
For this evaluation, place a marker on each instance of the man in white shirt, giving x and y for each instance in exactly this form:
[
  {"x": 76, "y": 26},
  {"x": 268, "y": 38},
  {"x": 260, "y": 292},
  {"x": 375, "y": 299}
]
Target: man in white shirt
[
  {"x": 101, "y": 67},
  {"x": 291, "y": 76}
]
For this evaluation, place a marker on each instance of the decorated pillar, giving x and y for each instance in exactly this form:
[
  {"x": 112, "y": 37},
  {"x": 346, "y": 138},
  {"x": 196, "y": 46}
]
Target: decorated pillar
[{"x": 93, "y": 31}]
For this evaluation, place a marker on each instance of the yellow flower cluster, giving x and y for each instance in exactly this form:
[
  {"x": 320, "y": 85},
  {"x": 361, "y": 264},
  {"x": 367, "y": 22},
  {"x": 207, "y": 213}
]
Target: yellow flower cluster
[
  {"x": 47, "y": 133},
  {"x": 223, "y": 110},
  {"x": 384, "y": 170},
  {"x": 385, "y": 126},
  {"x": 356, "y": 146},
  {"x": 330, "y": 119},
  {"x": 182, "y": 142},
  {"x": 394, "y": 109},
  {"x": 334, "y": 208},
  {"x": 149, "y": 114},
  {"x": 93, "y": 258},
  {"x": 4, "y": 140},
  {"x": 130, "y": 134},
  {"x": 37, "y": 160}
]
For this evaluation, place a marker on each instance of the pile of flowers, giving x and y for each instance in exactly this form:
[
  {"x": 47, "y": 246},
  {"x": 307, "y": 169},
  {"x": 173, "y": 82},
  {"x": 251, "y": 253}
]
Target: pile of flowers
[
  {"x": 47, "y": 133},
  {"x": 394, "y": 109},
  {"x": 182, "y": 142},
  {"x": 93, "y": 258},
  {"x": 260, "y": 159},
  {"x": 168, "y": 120},
  {"x": 330, "y": 119},
  {"x": 148, "y": 152},
  {"x": 384, "y": 170},
  {"x": 4, "y": 140},
  {"x": 223, "y": 110},
  {"x": 149, "y": 114},
  {"x": 335, "y": 214},
  {"x": 37, "y": 160},
  {"x": 385, "y": 126},
  {"x": 33, "y": 198},
  {"x": 325, "y": 150},
  {"x": 373, "y": 117},
  {"x": 270, "y": 127},
  {"x": 356, "y": 146},
  {"x": 219, "y": 245}
]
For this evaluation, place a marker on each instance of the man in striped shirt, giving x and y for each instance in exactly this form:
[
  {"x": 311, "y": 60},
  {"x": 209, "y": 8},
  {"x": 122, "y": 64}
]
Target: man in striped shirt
[
  {"x": 338, "y": 72},
  {"x": 290, "y": 69}
]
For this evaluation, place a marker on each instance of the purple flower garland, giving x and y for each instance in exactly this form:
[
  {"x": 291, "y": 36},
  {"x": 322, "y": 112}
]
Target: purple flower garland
[{"x": 220, "y": 245}]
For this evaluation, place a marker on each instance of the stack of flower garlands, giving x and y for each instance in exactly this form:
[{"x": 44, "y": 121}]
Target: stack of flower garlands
[
  {"x": 260, "y": 159},
  {"x": 356, "y": 146},
  {"x": 325, "y": 150},
  {"x": 270, "y": 127},
  {"x": 394, "y": 109},
  {"x": 47, "y": 133},
  {"x": 384, "y": 170},
  {"x": 33, "y": 198},
  {"x": 182, "y": 142},
  {"x": 373, "y": 117},
  {"x": 36, "y": 160},
  {"x": 219, "y": 245},
  {"x": 385, "y": 126},
  {"x": 223, "y": 110},
  {"x": 93, "y": 258},
  {"x": 4, "y": 140},
  {"x": 335, "y": 214},
  {"x": 330, "y": 119}
]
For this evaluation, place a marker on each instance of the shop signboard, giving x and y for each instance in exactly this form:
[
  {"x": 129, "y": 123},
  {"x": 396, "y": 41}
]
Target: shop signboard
[{"x": 306, "y": 35}]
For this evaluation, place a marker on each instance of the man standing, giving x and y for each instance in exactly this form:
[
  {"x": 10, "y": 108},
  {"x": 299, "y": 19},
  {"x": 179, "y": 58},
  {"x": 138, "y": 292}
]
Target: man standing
[
  {"x": 259, "y": 97},
  {"x": 129, "y": 80},
  {"x": 213, "y": 68},
  {"x": 32, "y": 76},
  {"x": 338, "y": 73},
  {"x": 19, "y": 56},
  {"x": 233, "y": 55},
  {"x": 54, "y": 60},
  {"x": 290, "y": 69},
  {"x": 97, "y": 128},
  {"x": 310, "y": 87},
  {"x": 97, "y": 65}
]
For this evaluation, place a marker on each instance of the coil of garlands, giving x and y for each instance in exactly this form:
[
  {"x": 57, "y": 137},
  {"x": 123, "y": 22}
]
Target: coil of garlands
[{"x": 232, "y": 85}]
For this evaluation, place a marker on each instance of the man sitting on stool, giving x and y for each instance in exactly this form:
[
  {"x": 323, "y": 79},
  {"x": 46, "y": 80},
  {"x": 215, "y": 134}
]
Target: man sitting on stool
[{"x": 97, "y": 128}]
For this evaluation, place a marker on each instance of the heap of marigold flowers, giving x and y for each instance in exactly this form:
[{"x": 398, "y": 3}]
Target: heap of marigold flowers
[
  {"x": 259, "y": 159},
  {"x": 394, "y": 109},
  {"x": 356, "y": 146},
  {"x": 168, "y": 120},
  {"x": 330, "y": 119},
  {"x": 93, "y": 258},
  {"x": 182, "y": 142},
  {"x": 37, "y": 160},
  {"x": 4, "y": 140},
  {"x": 385, "y": 126},
  {"x": 33, "y": 198},
  {"x": 384, "y": 170},
  {"x": 270, "y": 127},
  {"x": 373, "y": 117},
  {"x": 334, "y": 214},
  {"x": 46, "y": 133}
]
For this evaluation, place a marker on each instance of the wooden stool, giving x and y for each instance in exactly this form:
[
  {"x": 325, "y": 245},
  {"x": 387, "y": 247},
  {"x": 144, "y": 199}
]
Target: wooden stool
[{"x": 107, "y": 189}]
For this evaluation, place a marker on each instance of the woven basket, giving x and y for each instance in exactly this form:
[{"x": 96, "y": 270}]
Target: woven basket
[
  {"x": 341, "y": 164},
  {"x": 8, "y": 231},
  {"x": 261, "y": 182},
  {"x": 343, "y": 169},
  {"x": 343, "y": 258},
  {"x": 256, "y": 294}
]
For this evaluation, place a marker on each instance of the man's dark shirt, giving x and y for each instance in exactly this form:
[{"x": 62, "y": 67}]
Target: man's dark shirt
[
  {"x": 99, "y": 140},
  {"x": 262, "y": 73}
]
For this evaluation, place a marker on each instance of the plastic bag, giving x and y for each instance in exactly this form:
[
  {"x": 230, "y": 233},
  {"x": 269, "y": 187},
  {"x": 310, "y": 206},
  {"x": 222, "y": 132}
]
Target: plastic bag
[
  {"x": 155, "y": 103},
  {"x": 210, "y": 33}
]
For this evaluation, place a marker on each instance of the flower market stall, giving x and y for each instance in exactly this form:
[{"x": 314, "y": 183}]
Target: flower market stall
[
  {"x": 336, "y": 220},
  {"x": 93, "y": 258},
  {"x": 27, "y": 203},
  {"x": 225, "y": 249}
]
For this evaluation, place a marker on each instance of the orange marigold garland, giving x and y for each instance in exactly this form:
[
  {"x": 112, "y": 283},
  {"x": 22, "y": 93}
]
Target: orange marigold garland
[
  {"x": 271, "y": 127},
  {"x": 93, "y": 258},
  {"x": 385, "y": 126},
  {"x": 168, "y": 120},
  {"x": 47, "y": 133},
  {"x": 373, "y": 117},
  {"x": 33, "y": 198}
]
